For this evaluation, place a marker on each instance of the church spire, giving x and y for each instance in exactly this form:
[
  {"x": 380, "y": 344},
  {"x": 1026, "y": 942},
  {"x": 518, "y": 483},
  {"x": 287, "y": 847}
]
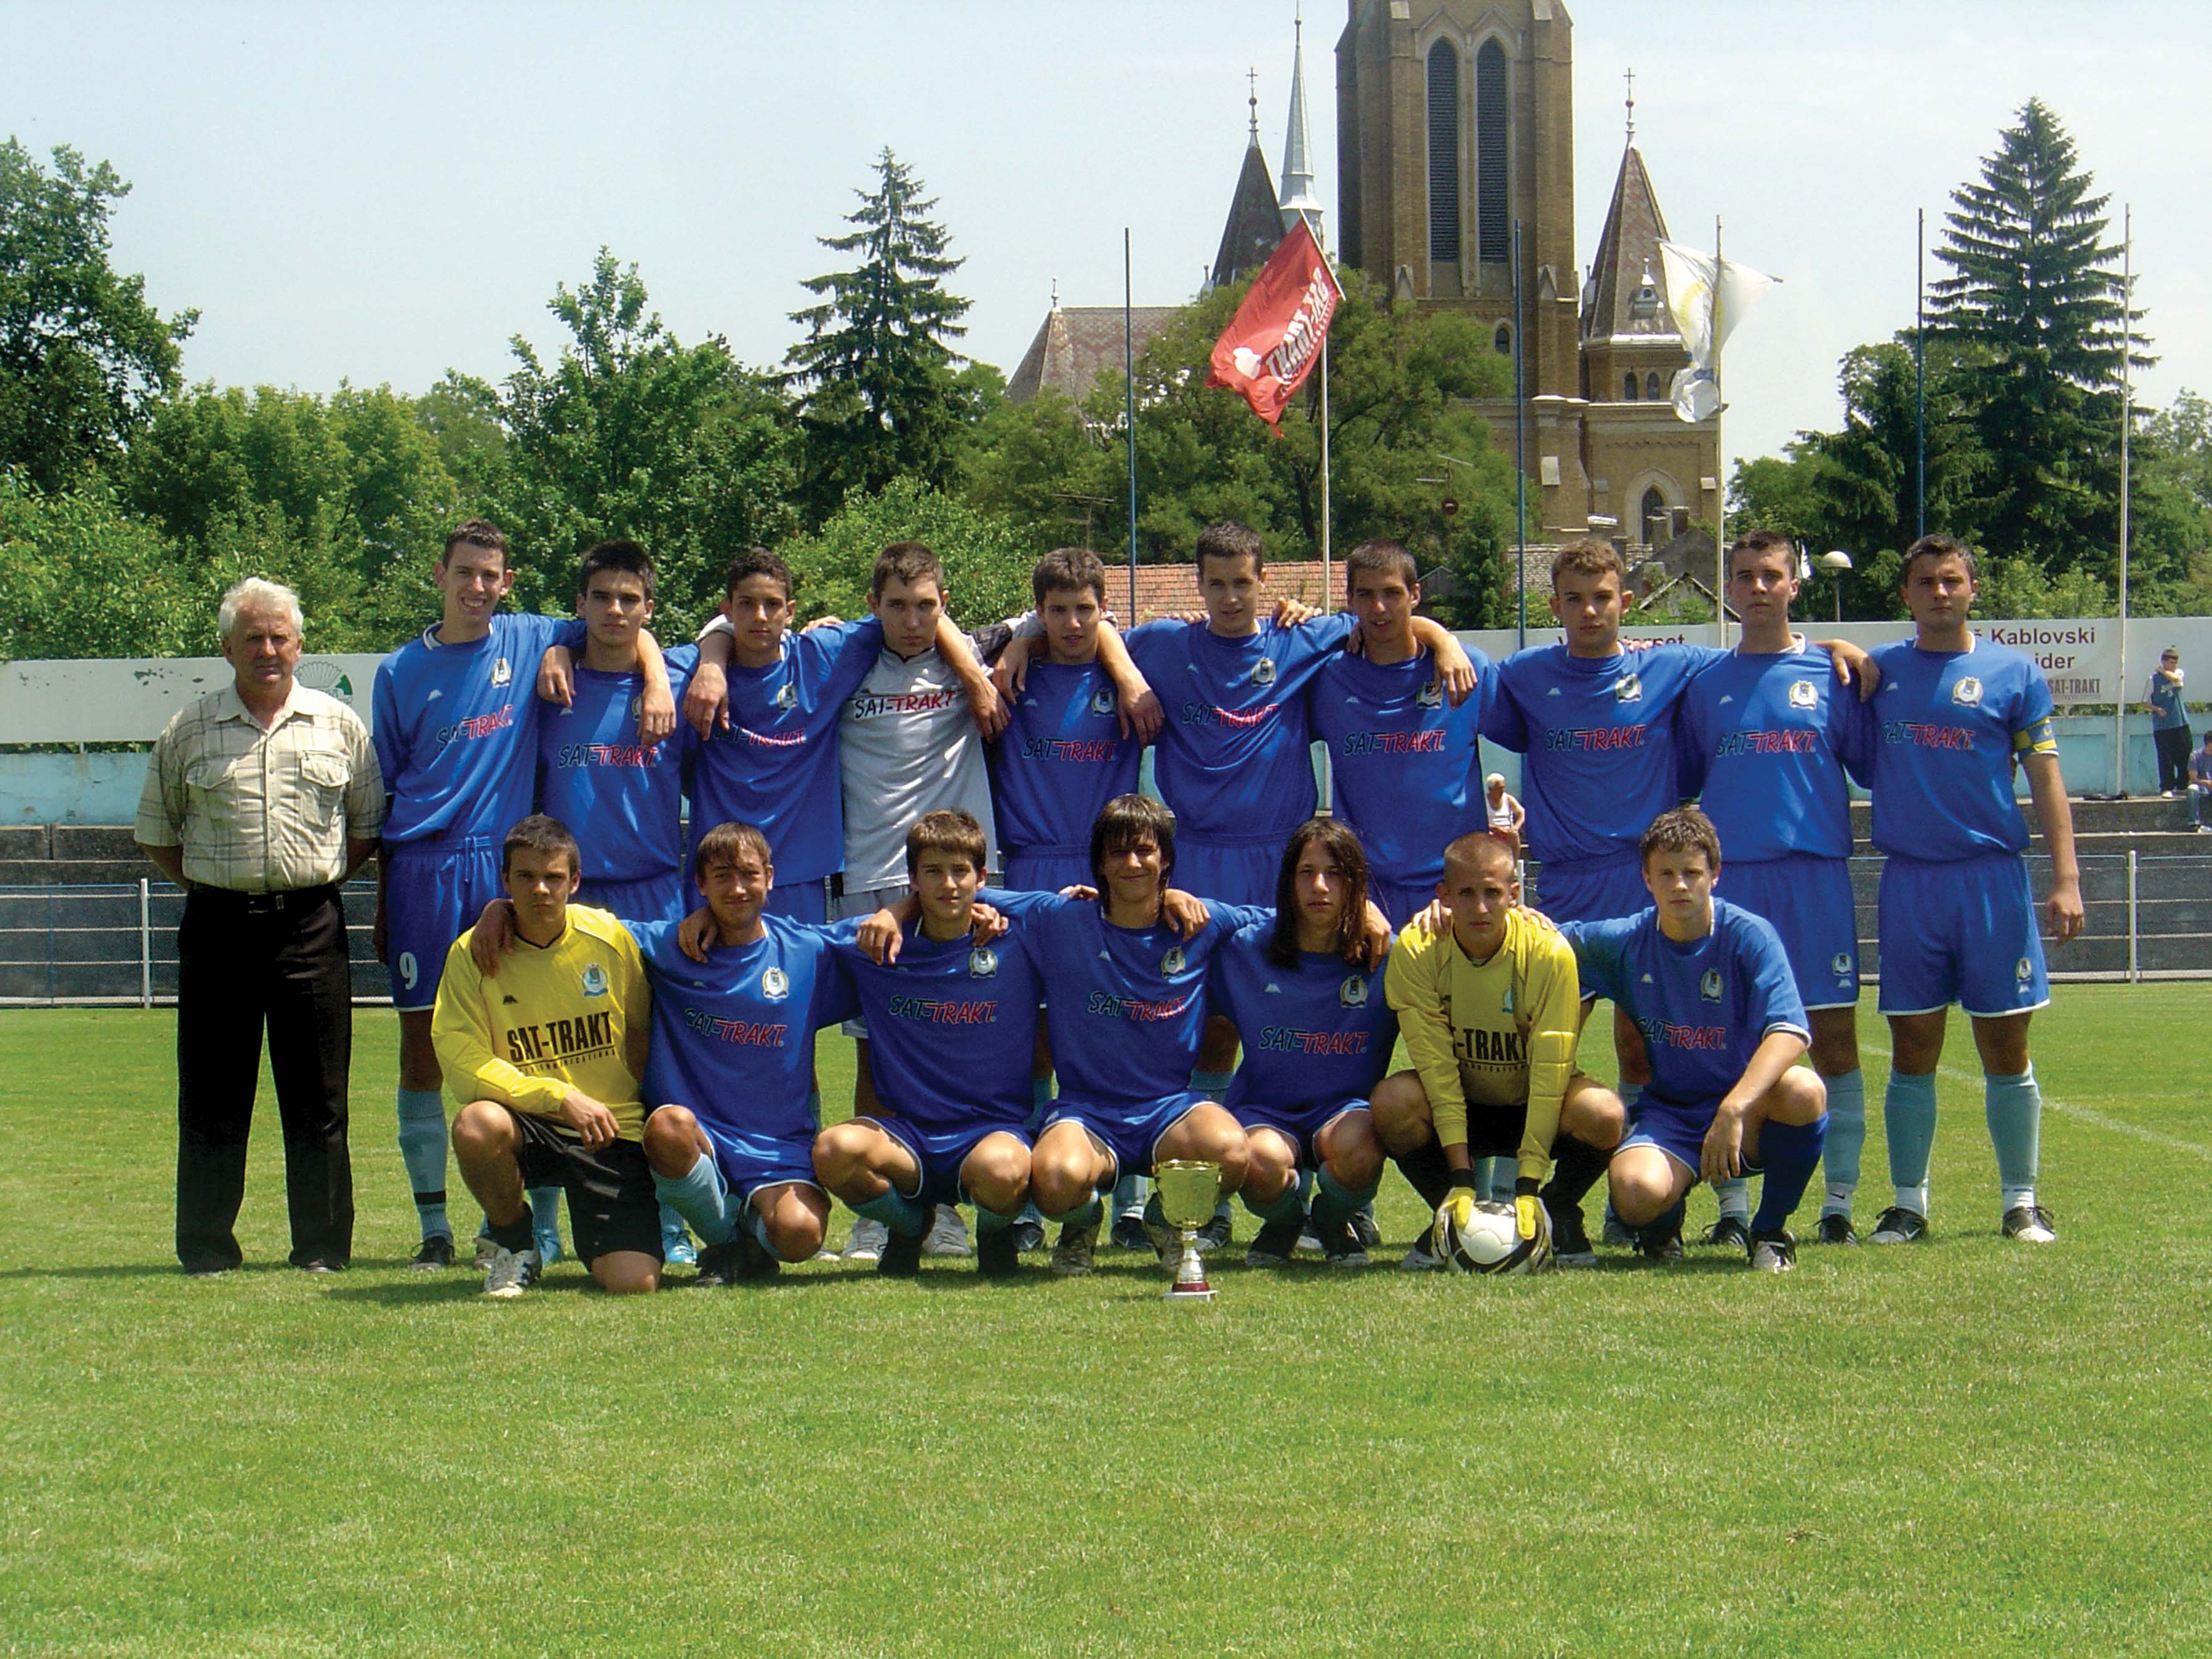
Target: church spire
[
  {"x": 1254, "y": 225},
  {"x": 1628, "y": 291},
  {"x": 1298, "y": 198}
]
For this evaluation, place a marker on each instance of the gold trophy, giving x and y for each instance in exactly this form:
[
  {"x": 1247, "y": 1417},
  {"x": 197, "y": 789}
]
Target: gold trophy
[{"x": 1188, "y": 1192}]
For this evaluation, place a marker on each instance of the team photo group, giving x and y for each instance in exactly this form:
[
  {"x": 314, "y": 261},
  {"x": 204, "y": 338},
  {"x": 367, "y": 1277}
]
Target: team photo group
[{"x": 620, "y": 889}]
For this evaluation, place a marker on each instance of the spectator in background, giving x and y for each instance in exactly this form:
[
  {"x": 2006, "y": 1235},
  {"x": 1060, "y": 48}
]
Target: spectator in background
[
  {"x": 1505, "y": 813},
  {"x": 260, "y": 798},
  {"x": 2169, "y": 722},
  {"x": 2200, "y": 786}
]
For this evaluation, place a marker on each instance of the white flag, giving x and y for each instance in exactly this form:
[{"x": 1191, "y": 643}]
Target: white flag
[{"x": 1690, "y": 297}]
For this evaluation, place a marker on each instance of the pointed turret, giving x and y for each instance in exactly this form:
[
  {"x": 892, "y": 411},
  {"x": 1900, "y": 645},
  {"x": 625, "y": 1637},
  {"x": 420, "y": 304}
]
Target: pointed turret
[
  {"x": 1255, "y": 224},
  {"x": 1298, "y": 197},
  {"x": 1626, "y": 295}
]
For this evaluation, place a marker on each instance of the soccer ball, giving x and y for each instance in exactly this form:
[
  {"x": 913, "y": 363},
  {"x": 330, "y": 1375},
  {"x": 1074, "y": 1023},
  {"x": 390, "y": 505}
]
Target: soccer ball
[{"x": 1491, "y": 1241}]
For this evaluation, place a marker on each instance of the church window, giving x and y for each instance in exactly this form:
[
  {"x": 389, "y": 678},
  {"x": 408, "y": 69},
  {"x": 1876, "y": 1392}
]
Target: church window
[
  {"x": 1443, "y": 152},
  {"x": 1628, "y": 387},
  {"x": 1493, "y": 215},
  {"x": 1651, "y": 386},
  {"x": 1658, "y": 526},
  {"x": 1502, "y": 341}
]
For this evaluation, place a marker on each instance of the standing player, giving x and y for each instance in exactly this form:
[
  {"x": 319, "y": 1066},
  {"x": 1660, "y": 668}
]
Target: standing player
[
  {"x": 1767, "y": 737},
  {"x": 456, "y": 734},
  {"x": 1956, "y": 714},
  {"x": 1407, "y": 759},
  {"x": 548, "y": 1056},
  {"x": 1307, "y": 1003},
  {"x": 1491, "y": 1010},
  {"x": 955, "y": 1022},
  {"x": 1709, "y": 986},
  {"x": 731, "y": 1138}
]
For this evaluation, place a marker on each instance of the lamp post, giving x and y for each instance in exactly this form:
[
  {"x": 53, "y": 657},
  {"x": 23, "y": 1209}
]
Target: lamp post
[{"x": 1835, "y": 562}]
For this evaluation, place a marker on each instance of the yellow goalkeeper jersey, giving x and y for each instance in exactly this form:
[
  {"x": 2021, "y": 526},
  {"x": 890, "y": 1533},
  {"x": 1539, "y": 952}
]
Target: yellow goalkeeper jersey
[
  {"x": 1499, "y": 1033},
  {"x": 573, "y": 1014}
]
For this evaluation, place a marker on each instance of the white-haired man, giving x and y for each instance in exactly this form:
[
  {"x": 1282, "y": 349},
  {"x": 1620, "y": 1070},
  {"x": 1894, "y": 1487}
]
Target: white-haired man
[{"x": 260, "y": 798}]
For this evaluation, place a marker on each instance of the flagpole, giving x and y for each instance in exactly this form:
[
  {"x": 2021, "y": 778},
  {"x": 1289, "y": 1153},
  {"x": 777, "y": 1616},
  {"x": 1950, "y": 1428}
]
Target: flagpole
[
  {"x": 1720, "y": 454},
  {"x": 1129, "y": 415},
  {"x": 2127, "y": 443},
  {"x": 1920, "y": 376},
  {"x": 1519, "y": 462},
  {"x": 1327, "y": 583}
]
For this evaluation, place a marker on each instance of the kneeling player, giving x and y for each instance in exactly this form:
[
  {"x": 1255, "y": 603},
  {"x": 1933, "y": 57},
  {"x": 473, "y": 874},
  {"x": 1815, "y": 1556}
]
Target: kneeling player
[
  {"x": 1491, "y": 1011},
  {"x": 1709, "y": 986},
  {"x": 953, "y": 1024},
  {"x": 1317, "y": 1033},
  {"x": 732, "y": 1064},
  {"x": 549, "y": 1056}
]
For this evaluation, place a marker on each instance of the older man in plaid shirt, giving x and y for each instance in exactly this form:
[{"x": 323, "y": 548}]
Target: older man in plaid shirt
[{"x": 260, "y": 798}]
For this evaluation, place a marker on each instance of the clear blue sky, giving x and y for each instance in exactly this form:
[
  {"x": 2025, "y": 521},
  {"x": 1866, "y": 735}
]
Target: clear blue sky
[{"x": 380, "y": 192}]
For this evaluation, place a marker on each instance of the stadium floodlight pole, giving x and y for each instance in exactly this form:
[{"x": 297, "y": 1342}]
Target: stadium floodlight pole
[
  {"x": 2127, "y": 444},
  {"x": 1920, "y": 377},
  {"x": 1520, "y": 460},
  {"x": 1129, "y": 413}
]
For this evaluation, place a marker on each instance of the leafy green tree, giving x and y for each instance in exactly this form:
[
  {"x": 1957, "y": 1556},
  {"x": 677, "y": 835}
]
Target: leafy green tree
[
  {"x": 987, "y": 555},
  {"x": 2035, "y": 291},
  {"x": 630, "y": 433},
  {"x": 84, "y": 358},
  {"x": 84, "y": 577},
  {"x": 2170, "y": 571},
  {"x": 881, "y": 398}
]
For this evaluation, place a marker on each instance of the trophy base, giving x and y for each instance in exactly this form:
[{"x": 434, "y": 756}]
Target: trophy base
[{"x": 1188, "y": 1293}]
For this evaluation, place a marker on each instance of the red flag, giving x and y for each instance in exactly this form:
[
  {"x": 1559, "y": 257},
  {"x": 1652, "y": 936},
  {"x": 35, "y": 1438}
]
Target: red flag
[{"x": 1275, "y": 339}]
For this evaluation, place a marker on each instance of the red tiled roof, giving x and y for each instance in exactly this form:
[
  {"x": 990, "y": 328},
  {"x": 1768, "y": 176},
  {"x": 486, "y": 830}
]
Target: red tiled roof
[{"x": 1168, "y": 590}]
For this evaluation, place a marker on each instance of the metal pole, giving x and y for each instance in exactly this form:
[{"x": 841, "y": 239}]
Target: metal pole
[
  {"x": 145, "y": 946},
  {"x": 1327, "y": 768},
  {"x": 2127, "y": 444},
  {"x": 1129, "y": 415},
  {"x": 2135, "y": 965},
  {"x": 1720, "y": 454},
  {"x": 1920, "y": 376},
  {"x": 1520, "y": 458}
]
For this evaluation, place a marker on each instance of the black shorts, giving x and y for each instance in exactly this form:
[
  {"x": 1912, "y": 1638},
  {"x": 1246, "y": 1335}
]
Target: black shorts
[
  {"x": 1495, "y": 1131},
  {"x": 612, "y": 1202}
]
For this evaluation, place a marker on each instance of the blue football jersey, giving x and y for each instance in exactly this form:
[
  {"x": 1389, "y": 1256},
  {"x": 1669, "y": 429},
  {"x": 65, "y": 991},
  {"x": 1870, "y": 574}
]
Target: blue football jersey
[
  {"x": 622, "y": 801},
  {"x": 1765, "y": 740},
  {"x": 1313, "y": 1034},
  {"x": 1126, "y": 1006},
  {"x": 1234, "y": 758},
  {"x": 733, "y": 1037},
  {"x": 456, "y": 727},
  {"x": 1408, "y": 766},
  {"x": 775, "y": 765},
  {"x": 1598, "y": 738},
  {"x": 1061, "y": 757},
  {"x": 951, "y": 1026},
  {"x": 1704, "y": 1007},
  {"x": 1947, "y": 727}
]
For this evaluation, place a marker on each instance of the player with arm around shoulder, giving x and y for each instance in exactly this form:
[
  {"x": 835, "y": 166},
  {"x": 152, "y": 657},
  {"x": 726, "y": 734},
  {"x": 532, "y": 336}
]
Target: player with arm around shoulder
[
  {"x": 1709, "y": 986},
  {"x": 1306, "y": 996},
  {"x": 1491, "y": 1010},
  {"x": 954, "y": 1019},
  {"x": 549, "y": 1056}
]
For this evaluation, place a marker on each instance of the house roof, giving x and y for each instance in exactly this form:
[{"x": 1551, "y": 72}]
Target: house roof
[
  {"x": 1078, "y": 344},
  {"x": 1168, "y": 590}
]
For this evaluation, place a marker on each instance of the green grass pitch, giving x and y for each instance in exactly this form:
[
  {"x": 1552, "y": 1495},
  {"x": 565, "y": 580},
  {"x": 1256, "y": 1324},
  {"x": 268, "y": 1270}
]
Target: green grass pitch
[{"x": 1961, "y": 1449}]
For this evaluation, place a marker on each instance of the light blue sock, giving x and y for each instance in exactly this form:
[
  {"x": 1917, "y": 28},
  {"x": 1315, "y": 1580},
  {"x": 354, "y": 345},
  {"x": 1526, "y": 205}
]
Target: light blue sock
[
  {"x": 1788, "y": 1153},
  {"x": 1846, "y": 1140},
  {"x": 1212, "y": 1085},
  {"x": 756, "y": 1225},
  {"x": 545, "y": 1211},
  {"x": 991, "y": 1221},
  {"x": 1130, "y": 1193},
  {"x": 1334, "y": 1202},
  {"x": 1084, "y": 1214},
  {"x": 2013, "y": 1106},
  {"x": 1734, "y": 1196},
  {"x": 1288, "y": 1206},
  {"x": 700, "y": 1198},
  {"x": 1908, "y": 1122},
  {"x": 902, "y": 1215},
  {"x": 423, "y": 1150}
]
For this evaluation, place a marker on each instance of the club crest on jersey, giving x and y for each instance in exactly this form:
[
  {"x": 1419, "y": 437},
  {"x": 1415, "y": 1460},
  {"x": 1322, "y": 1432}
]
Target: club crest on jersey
[
  {"x": 786, "y": 695},
  {"x": 1842, "y": 964},
  {"x": 1172, "y": 962},
  {"x": 637, "y": 706},
  {"x": 1432, "y": 694},
  {"x": 2023, "y": 970},
  {"x": 502, "y": 673},
  {"x": 595, "y": 980},
  {"x": 1629, "y": 689},
  {"x": 1101, "y": 701},
  {"x": 1709, "y": 986},
  {"x": 1353, "y": 994},
  {"x": 1803, "y": 694},
  {"x": 774, "y": 985},
  {"x": 1967, "y": 693},
  {"x": 1263, "y": 671},
  {"x": 982, "y": 963}
]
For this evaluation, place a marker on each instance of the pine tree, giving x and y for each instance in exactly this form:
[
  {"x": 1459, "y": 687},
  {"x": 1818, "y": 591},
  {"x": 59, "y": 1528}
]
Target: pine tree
[
  {"x": 875, "y": 372},
  {"x": 2035, "y": 290}
]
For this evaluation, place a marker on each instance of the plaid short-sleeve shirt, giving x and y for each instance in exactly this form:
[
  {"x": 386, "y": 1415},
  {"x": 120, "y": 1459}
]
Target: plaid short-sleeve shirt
[{"x": 261, "y": 811}]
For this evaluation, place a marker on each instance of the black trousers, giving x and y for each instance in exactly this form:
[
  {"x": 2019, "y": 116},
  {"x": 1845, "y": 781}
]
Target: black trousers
[
  {"x": 241, "y": 968},
  {"x": 2172, "y": 745}
]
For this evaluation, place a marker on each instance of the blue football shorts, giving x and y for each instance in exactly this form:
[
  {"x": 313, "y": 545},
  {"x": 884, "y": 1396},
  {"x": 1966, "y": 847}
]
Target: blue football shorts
[
  {"x": 1130, "y": 1133},
  {"x": 1961, "y": 930},
  {"x": 1301, "y": 1125},
  {"x": 801, "y": 901},
  {"x": 434, "y": 891},
  {"x": 940, "y": 1152},
  {"x": 1591, "y": 890},
  {"x": 655, "y": 898},
  {"x": 1809, "y": 903}
]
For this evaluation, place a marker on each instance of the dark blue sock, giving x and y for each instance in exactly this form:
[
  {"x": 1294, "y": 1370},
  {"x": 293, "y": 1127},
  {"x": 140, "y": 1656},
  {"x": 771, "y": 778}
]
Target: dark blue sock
[{"x": 1788, "y": 1153}]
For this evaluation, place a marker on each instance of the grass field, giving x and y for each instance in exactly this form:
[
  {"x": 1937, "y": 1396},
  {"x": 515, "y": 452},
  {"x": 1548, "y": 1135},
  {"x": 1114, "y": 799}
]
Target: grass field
[{"x": 1964, "y": 1447}]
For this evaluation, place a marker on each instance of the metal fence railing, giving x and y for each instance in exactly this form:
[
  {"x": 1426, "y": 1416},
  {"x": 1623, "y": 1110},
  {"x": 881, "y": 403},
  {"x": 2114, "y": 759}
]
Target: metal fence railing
[{"x": 2147, "y": 918}]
